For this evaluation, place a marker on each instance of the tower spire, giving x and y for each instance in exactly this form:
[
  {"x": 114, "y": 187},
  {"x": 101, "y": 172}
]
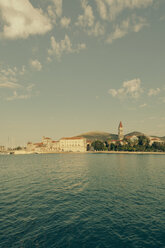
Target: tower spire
[{"x": 120, "y": 131}]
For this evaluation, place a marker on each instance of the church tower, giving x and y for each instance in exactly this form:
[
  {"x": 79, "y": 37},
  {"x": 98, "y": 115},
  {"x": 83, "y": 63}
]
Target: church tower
[{"x": 120, "y": 131}]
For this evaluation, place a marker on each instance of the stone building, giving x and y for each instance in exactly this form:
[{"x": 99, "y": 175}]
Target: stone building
[
  {"x": 55, "y": 146},
  {"x": 30, "y": 147},
  {"x": 73, "y": 144},
  {"x": 155, "y": 140}
]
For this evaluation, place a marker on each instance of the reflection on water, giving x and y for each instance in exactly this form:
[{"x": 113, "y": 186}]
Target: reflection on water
[{"x": 82, "y": 200}]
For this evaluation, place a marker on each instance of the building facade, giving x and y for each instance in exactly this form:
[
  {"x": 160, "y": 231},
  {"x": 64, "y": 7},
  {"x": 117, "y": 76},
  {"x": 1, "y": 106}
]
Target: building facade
[
  {"x": 73, "y": 144},
  {"x": 155, "y": 140}
]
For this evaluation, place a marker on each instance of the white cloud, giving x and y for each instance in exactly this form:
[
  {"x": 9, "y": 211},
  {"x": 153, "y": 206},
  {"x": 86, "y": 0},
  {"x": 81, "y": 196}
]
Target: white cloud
[
  {"x": 138, "y": 23},
  {"x": 51, "y": 13},
  {"x": 26, "y": 94},
  {"x": 133, "y": 24},
  {"x": 58, "y": 48},
  {"x": 119, "y": 32},
  {"x": 58, "y": 7},
  {"x": 65, "y": 22},
  {"x": 15, "y": 96},
  {"x": 9, "y": 76},
  {"x": 153, "y": 92},
  {"x": 102, "y": 9},
  {"x": 113, "y": 92},
  {"x": 9, "y": 71},
  {"x": 9, "y": 85},
  {"x": 36, "y": 64},
  {"x": 21, "y": 19},
  {"x": 110, "y": 9},
  {"x": 87, "y": 19},
  {"x": 64, "y": 46},
  {"x": 131, "y": 89},
  {"x": 11, "y": 79},
  {"x": 96, "y": 30},
  {"x": 55, "y": 10}
]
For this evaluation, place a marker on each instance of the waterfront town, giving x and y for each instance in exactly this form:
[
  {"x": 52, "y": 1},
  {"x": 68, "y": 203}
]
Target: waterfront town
[
  {"x": 72, "y": 144},
  {"x": 83, "y": 143}
]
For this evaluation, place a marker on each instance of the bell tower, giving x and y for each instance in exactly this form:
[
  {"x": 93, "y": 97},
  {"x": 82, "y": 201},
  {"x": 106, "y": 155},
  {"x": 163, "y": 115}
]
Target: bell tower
[{"x": 120, "y": 131}]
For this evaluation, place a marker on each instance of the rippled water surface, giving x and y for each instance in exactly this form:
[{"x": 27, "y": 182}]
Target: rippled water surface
[{"x": 82, "y": 200}]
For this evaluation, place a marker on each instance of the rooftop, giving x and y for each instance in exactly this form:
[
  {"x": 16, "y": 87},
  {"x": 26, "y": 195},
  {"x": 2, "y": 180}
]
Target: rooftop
[
  {"x": 120, "y": 124},
  {"x": 72, "y": 138}
]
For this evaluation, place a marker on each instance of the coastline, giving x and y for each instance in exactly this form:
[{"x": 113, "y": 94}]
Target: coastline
[
  {"x": 88, "y": 152},
  {"x": 127, "y": 152}
]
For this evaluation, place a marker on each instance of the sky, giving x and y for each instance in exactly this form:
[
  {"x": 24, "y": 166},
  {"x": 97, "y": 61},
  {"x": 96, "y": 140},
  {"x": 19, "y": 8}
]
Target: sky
[{"x": 73, "y": 66}]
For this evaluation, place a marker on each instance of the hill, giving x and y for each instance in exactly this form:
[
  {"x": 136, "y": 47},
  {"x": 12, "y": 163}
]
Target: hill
[
  {"x": 140, "y": 134},
  {"x": 102, "y": 136},
  {"x": 135, "y": 133},
  {"x": 162, "y": 138}
]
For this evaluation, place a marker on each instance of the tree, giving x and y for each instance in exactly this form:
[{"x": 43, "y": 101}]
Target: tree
[
  {"x": 106, "y": 144},
  {"x": 158, "y": 146},
  {"x": 98, "y": 145},
  {"x": 18, "y": 148},
  {"x": 143, "y": 141},
  {"x": 112, "y": 147}
]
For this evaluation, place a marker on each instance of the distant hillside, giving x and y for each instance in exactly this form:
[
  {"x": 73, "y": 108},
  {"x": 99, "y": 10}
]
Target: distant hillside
[
  {"x": 102, "y": 136},
  {"x": 135, "y": 133},
  {"x": 139, "y": 134}
]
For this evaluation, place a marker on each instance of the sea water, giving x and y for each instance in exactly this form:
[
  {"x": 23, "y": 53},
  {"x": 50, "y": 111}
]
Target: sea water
[{"x": 82, "y": 200}]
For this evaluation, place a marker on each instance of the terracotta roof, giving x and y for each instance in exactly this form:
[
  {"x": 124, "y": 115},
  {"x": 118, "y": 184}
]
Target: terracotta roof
[
  {"x": 72, "y": 138},
  {"x": 38, "y": 144},
  {"x": 120, "y": 125}
]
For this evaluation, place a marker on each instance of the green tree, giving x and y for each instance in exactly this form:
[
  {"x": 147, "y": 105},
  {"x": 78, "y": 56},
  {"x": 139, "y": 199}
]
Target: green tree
[
  {"x": 98, "y": 145},
  {"x": 143, "y": 141},
  {"x": 112, "y": 147},
  {"x": 158, "y": 146},
  {"x": 18, "y": 148}
]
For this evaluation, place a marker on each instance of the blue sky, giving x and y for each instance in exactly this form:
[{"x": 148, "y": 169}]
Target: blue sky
[{"x": 72, "y": 66}]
